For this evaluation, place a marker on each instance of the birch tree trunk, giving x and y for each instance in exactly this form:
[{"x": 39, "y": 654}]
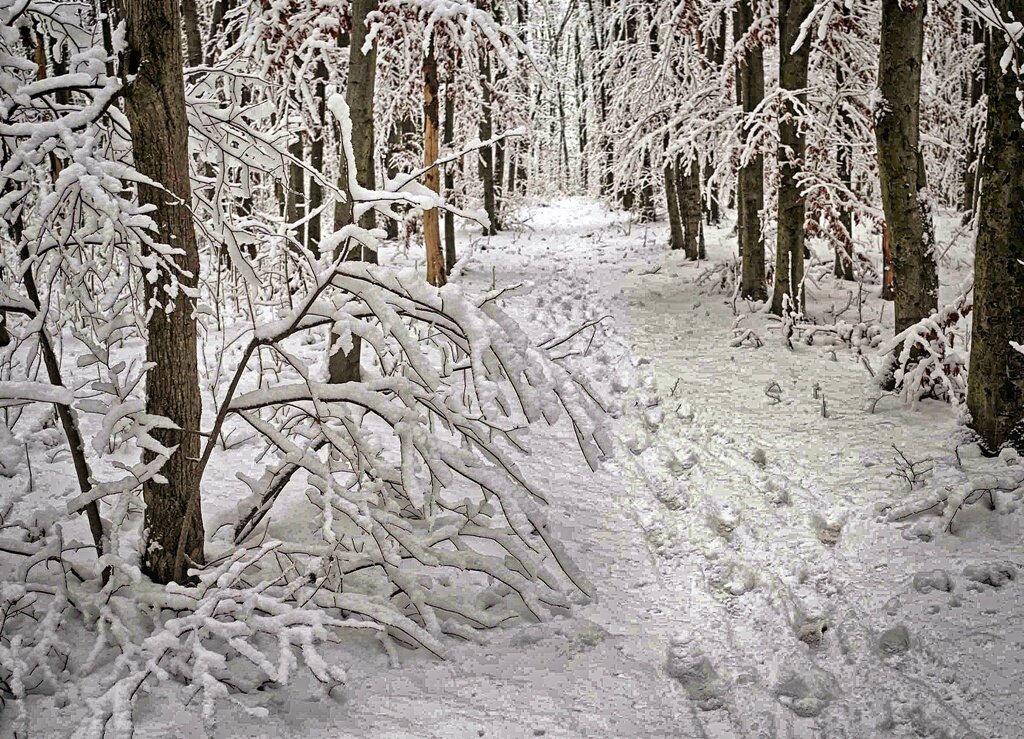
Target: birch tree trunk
[
  {"x": 995, "y": 392},
  {"x": 449, "y": 177},
  {"x": 900, "y": 164},
  {"x": 155, "y": 107}
]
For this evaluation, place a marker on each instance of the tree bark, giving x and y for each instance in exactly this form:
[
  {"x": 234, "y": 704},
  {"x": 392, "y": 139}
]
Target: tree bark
[
  {"x": 900, "y": 164},
  {"x": 485, "y": 161},
  {"x": 193, "y": 39},
  {"x": 672, "y": 208},
  {"x": 437, "y": 275},
  {"x": 750, "y": 196},
  {"x": 155, "y": 108},
  {"x": 791, "y": 242},
  {"x": 690, "y": 211},
  {"x": 316, "y": 159},
  {"x": 977, "y": 89},
  {"x": 995, "y": 392},
  {"x": 449, "y": 177},
  {"x": 362, "y": 85},
  {"x": 843, "y": 266}
]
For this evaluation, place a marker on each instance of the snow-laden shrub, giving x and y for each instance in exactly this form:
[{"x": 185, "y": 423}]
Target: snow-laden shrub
[
  {"x": 924, "y": 360},
  {"x": 417, "y": 520}
]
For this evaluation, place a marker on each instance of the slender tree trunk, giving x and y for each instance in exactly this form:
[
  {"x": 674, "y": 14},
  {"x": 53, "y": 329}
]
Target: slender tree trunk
[
  {"x": 295, "y": 199},
  {"x": 316, "y": 158},
  {"x": 843, "y": 267},
  {"x": 485, "y": 161},
  {"x": 155, "y": 107},
  {"x": 437, "y": 275},
  {"x": 688, "y": 194},
  {"x": 193, "y": 39},
  {"x": 672, "y": 208},
  {"x": 977, "y": 89},
  {"x": 449, "y": 176},
  {"x": 791, "y": 245},
  {"x": 342, "y": 365},
  {"x": 887, "y": 271},
  {"x": 995, "y": 393},
  {"x": 900, "y": 164},
  {"x": 750, "y": 195}
]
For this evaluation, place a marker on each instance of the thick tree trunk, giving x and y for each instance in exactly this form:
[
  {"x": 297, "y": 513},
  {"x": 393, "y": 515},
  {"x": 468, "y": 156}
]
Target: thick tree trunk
[
  {"x": 295, "y": 199},
  {"x": 672, "y": 208},
  {"x": 485, "y": 163},
  {"x": 449, "y": 177},
  {"x": 437, "y": 275},
  {"x": 750, "y": 188},
  {"x": 155, "y": 107},
  {"x": 995, "y": 393},
  {"x": 791, "y": 244},
  {"x": 900, "y": 164}
]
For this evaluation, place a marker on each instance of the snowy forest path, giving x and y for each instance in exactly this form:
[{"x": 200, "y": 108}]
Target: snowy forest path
[
  {"x": 745, "y": 587},
  {"x": 792, "y": 608}
]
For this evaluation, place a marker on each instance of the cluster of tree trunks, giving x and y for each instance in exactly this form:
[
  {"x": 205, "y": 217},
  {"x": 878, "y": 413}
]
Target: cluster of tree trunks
[{"x": 684, "y": 206}]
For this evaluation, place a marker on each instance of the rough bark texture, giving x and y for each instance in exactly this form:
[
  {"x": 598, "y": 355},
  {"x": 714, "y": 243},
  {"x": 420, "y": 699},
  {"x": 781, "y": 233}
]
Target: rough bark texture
[
  {"x": 316, "y": 158},
  {"x": 976, "y": 90},
  {"x": 750, "y": 196},
  {"x": 790, "y": 243},
  {"x": 449, "y": 176},
  {"x": 672, "y": 208},
  {"x": 843, "y": 266},
  {"x": 995, "y": 394},
  {"x": 155, "y": 107},
  {"x": 193, "y": 39},
  {"x": 437, "y": 275},
  {"x": 900, "y": 164},
  {"x": 362, "y": 85},
  {"x": 690, "y": 211},
  {"x": 485, "y": 162},
  {"x": 295, "y": 199}
]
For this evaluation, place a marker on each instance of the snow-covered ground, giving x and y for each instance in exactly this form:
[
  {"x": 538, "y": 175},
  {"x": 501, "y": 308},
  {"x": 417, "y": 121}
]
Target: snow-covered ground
[{"x": 754, "y": 574}]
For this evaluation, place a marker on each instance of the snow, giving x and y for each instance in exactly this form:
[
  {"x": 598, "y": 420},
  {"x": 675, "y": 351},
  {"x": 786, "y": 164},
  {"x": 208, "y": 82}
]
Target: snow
[{"x": 754, "y": 574}]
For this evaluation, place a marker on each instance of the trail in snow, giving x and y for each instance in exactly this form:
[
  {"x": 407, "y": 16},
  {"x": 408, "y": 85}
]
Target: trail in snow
[{"x": 749, "y": 583}]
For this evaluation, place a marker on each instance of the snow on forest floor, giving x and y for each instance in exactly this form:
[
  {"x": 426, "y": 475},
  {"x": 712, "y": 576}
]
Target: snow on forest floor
[{"x": 751, "y": 580}]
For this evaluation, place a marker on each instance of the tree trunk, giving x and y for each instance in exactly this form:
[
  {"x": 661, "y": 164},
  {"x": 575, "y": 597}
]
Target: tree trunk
[
  {"x": 449, "y": 177},
  {"x": 672, "y": 208},
  {"x": 791, "y": 245},
  {"x": 750, "y": 195},
  {"x": 688, "y": 194},
  {"x": 316, "y": 158},
  {"x": 437, "y": 275},
  {"x": 155, "y": 107},
  {"x": 295, "y": 199},
  {"x": 901, "y": 166},
  {"x": 193, "y": 39},
  {"x": 977, "y": 89},
  {"x": 362, "y": 86},
  {"x": 887, "y": 272},
  {"x": 843, "y": 267},
  {"x": 485, "y": 162},
  {"x": 995, "y": 393}
]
